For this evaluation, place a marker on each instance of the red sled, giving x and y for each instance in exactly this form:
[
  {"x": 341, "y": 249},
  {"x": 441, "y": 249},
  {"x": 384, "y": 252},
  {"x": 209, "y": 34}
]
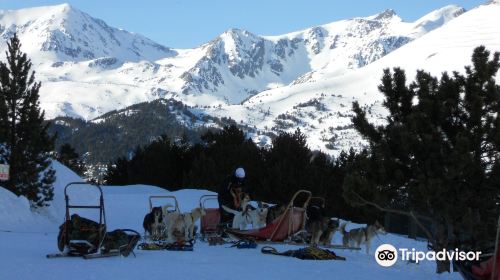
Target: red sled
[{"x": 283, "y": 228}]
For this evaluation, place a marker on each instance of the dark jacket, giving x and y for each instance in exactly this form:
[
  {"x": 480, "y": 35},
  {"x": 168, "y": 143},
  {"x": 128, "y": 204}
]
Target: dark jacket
[
  {"x": 224, "y": 192},
  {"x": 226, "y": 198}
]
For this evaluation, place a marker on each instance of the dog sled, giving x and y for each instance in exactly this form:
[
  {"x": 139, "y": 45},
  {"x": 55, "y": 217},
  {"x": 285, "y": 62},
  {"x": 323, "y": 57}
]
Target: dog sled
[
  {"x": 484, "y": 268},
  {"x": 210, "y": 222},
  {"x": 160, "y": 242},
  {"x": 82, "y": 237},
  {"x": 487, "y": 267},
  {"x": 168, "y": 201},
  {"x": 167, "y": 198},
  {"x": 288, "y": 228},
  {"x": 283, "y": 228}
]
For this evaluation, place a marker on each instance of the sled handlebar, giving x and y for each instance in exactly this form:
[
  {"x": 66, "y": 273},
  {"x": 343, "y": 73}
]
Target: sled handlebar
[
  {"x": 164, "y": 196},
  {"x": 102, "y": 214},
  {"x": 309, "y": 196},
  {"x": 205, "y": 198},
  {"x": 101, "y": 197},
  {"x": 80, "y": 183},
  {"x": 289, "y": 209}
]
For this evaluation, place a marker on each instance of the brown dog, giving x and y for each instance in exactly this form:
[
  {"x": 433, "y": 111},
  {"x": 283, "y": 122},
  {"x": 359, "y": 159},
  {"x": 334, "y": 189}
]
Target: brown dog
[
  {"x": 320, "y": 228},
  {"x": 274, "y": 212}
]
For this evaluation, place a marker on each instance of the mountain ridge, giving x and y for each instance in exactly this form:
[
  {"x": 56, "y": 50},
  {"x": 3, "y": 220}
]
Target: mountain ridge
[
  {"x": 304, "y": 79},
  {"x": 89, "y": 68}
]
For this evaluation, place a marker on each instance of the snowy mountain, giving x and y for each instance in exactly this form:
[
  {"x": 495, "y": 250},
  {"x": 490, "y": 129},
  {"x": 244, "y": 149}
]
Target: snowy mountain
[
  {"x": 64, "y": 34},
  {"x": 322, "y": 106},
  {"x": 306, "y": 79},
  {"x": 89, "y": 68},
  {"x": 238, "y": 64}
]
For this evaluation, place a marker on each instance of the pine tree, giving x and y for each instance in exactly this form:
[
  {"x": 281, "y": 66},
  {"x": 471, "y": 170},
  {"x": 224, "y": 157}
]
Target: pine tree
[
  {"x": 438, "y": 153},
  {"x": 287, "y": 164},
  {"x": 27, "y": 144},
  {"x": 69, "y": 157}
]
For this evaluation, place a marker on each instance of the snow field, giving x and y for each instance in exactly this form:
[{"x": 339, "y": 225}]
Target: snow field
[{"x": 26, "y": 237}]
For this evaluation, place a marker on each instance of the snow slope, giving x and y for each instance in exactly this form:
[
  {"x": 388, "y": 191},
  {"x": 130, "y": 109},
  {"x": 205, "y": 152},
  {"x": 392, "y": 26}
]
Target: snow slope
[
  {"x": 321, "y": 104},
  {"x": 25, "y": 239},
  {"x": 89, "y": 68},
  {"x": 306, "y": 79},
  {"x": 62, "y": 33},
  {"x": 16, "y": 214}
]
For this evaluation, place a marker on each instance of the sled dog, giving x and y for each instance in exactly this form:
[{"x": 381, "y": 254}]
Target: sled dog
[
  {"x": 357, "y": 237},
  {"x": 320, "y": 228},
  {"x": 190, "y": 220},
  {"x": 241, "y": 219},
  {"x": 152, "y": 222},
  {"x": 331, "y": 227},
  {"x": 274, "y": 212},
  {"x": 180, "y": 226}
]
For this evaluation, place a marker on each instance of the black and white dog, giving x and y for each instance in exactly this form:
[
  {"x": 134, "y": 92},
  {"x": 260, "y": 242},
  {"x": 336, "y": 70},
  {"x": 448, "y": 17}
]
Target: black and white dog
[{"x": 153, "y": 221}]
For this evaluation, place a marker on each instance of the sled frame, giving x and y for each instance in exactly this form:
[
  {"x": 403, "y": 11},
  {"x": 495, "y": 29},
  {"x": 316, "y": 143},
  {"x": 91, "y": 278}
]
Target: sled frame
[{"x": 166, "y": 197}]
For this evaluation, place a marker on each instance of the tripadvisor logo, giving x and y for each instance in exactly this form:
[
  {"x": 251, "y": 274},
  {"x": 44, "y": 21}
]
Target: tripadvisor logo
[{"x": 386, "y": 255}]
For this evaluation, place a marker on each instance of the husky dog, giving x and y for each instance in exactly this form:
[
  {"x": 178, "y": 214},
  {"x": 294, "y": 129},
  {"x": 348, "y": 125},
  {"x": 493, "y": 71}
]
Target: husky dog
[
  {"x": 190, "y": 220},
  {"x": 256, "y": 217},
  {"x": 319, "y": 228},
  {"x": 274, "y": 212},
  {"x": 259, "y": 216},
  {"x": 180, "y": 226},
  {"x": 169, "y": 216},
  {"x": 165, "y": 211},
  {"x": 358, "y": 236},
  {"x": 152, "y": 222},
  {"x": 328, "y": 231},
  {"x": 175, "y": 227}
]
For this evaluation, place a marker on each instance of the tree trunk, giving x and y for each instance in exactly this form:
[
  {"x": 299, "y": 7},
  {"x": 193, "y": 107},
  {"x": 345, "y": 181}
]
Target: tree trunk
[
  {"x": 442, "y": 241},
  {"x": 439, "y": 240},
  {"x": 442, "y": 266}
]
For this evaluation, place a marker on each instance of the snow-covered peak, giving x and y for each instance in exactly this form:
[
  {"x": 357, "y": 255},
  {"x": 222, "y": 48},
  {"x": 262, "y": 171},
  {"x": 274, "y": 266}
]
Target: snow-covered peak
[
  {"x": 322, "y": 106},
  {"x": 388, "y": 14},
  {"x": 89, "y": 68},
  {"x": 237, "y": 33},
  {"x": 34, "y": 13},
  {"x": 438, "y": 18},
  {"x": 64, "y": 33},
  {"x": 236, "y": 41}
]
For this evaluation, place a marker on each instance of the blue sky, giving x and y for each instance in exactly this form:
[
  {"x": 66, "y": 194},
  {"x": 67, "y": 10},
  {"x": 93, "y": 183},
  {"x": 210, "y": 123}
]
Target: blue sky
[{"x": 189, "y": 23}]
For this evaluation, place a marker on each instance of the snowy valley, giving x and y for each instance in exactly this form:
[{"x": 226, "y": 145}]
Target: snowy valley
[{"x": 306, "y": 79}]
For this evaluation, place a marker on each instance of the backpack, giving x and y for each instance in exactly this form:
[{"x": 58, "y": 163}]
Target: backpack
[{"x": 82, "y": 229}]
